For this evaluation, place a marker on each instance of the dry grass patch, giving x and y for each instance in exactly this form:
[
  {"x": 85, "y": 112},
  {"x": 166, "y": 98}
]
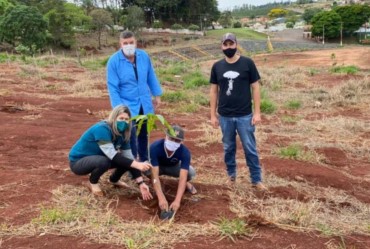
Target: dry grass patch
[
  {"x": 355, "y": 91},
  {"x": 74, "y": 212},
  {"x": 92, "y": 85},
  {"x": 340, "y": 132},
  {"x": 209, "y": 135},
  {"x": 277, "y": 78},
  {"x": 207, "y": 174},
  {"x": 327, "y": 210},
  {"x": 5, "y": 92}
]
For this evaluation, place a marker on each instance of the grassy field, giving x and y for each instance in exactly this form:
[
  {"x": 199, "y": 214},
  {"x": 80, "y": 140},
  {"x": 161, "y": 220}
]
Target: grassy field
[{"x": 241, "y": 33}]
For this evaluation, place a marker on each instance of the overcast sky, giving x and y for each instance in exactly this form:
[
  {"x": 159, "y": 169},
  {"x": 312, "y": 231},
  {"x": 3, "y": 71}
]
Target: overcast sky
[{"x": 229, "y": 4}]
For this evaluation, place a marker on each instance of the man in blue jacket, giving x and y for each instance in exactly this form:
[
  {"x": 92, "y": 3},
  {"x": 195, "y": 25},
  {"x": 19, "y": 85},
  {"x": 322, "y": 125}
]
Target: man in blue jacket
[{"x": 132, "y": 81}]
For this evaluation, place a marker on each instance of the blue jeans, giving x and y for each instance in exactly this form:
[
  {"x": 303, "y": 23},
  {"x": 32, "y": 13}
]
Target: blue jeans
[
  {"x": 139, "y": 144},
  {"x": 230, "y": 126}
]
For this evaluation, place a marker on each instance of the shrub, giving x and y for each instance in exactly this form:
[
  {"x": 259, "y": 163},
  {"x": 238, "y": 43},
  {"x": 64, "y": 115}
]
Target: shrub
[
  {"x": 237, "y": 24},
  {"x": 176, "y": 26},
  {"x": 193, "y": 27},
  {"x": 289, "y": 25},
  {"x": 157, "y": 24}
]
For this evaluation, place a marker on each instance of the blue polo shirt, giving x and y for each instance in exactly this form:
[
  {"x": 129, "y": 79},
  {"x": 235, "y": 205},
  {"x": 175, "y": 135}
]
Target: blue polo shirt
[
  {"x": 88, "y": 145},
  {"x": 124, "y": 88},
  {"x": 159, "y": 157}
]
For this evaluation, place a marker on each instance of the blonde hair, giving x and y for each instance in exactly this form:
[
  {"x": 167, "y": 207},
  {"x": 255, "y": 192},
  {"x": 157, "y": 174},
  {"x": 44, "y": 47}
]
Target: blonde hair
[{"x": 111, "y": 121}]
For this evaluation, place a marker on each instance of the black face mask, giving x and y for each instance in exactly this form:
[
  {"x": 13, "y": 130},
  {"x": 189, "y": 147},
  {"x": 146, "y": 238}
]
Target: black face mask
[{"x": 230, "y": 52}]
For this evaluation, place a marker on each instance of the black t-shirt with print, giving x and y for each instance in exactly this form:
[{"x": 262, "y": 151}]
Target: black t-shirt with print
[{"x": 233, "y": 80}]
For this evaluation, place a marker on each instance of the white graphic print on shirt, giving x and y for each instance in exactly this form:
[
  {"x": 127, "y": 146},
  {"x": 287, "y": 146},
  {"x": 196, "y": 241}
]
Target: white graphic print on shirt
[{"x": 230, "y": 75}]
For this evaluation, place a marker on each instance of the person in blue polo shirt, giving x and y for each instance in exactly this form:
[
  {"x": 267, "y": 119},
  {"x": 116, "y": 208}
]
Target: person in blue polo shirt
[
  {"x": 132, "y": 81},
  {"x": 105, "y": 145},
  {"x": 171, "y": 157}
]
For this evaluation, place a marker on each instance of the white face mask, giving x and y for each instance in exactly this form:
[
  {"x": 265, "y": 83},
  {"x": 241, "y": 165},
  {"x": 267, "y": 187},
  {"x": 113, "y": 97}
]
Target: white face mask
[
  {"x": 129, "y": 50},
  {"x": 171, "y": 145}
]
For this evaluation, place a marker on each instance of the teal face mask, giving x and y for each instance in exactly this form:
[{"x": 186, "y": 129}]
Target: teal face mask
[{"x": 121, "y": 125}]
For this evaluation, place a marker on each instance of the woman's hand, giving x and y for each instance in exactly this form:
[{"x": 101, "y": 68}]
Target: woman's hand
[
  {"x": 142, "y": 166},
  {"x": 145, "y": 193}
]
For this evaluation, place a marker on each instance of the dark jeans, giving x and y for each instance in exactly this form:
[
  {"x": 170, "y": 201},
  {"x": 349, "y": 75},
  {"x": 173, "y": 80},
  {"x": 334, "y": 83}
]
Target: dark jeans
[
  {"x": 230, "y": 127},
  {"x": 174, "y": 171},
  {"x": 96, "y": 166},
  {"x": 139, "y": 144}
]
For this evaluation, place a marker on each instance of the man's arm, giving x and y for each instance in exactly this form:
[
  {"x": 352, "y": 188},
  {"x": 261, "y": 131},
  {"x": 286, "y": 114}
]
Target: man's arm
[
  {"x": 113, "y": 83},
  {"x": 256, "y": 95},
  {"x": 153, "y": 83},
  {"x": 180, "y": 190},
  {"x": 162, "y": 201},
  {"x": 213, "y": 102}
]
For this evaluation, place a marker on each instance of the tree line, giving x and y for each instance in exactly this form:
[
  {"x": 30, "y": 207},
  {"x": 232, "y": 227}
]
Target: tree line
[{"x": 32, "y": 24}]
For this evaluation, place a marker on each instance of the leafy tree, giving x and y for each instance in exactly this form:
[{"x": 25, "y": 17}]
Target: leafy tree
[
  {"x": 135, "y": 18},
  {"x": 4, "y": 4},
  {"x": 62, "y": 18},
  {"x": 327, "y": 21},
  {"x": 100, "y": 19},
  {"x": 76, "y": 15},
  {"x": 309, "y": 13},
  {"x": 226, "y": 19},
  {"x": 274, "y": 13},
  {"x": 24, "y": 25},
  {"x": 353, "y": 16},
  {"x": 172, "y": 11}
]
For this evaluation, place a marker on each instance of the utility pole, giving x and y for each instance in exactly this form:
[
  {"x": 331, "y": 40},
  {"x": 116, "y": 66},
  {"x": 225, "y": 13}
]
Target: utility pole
[
  {"x": 341, "y": 34},
  {"x": 323, "y": 34}
]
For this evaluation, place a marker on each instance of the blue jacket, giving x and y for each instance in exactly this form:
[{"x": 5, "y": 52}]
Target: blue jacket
[{"x": 123, "y": 87}]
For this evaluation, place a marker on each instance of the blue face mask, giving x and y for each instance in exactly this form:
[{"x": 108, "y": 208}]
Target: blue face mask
[{"x": 121, "y": 125}]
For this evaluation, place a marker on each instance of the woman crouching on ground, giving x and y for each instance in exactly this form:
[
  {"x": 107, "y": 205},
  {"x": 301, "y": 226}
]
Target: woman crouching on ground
[{"x": 104, "y": 146}]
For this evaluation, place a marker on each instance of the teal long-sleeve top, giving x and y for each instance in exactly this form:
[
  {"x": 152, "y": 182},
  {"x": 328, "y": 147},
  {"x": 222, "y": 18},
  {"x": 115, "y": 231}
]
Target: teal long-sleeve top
[{"x": 124, "y": 88}]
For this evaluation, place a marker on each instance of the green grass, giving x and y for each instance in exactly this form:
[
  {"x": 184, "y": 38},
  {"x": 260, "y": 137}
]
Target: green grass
[
  {"x": 267, "y": 106},
  {"x": 345, "y": 69},
  {"x": 241, "y": 33},
  {"x": 201, "y": 100},
  {"x": 295, "y": 152},
  {"x": 293, "y": 104},
  {"x": 175, "y": 69},
  {"x": 95, "y": 63},
  {"x": 5, "y": 57},
  {"x": 173, "y": 97},
  {"x": 194, "y": 80},
  {"x": 313, "y": 71},
  {"x": 55, "y": 216},
  {"x": 325, "y": 229},
  {"x": 189, "y": 108},
  {"x": 232, "y": 228}
]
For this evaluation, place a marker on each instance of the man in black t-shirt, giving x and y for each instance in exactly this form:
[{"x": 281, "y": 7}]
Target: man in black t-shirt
[{"x": 234, "y": 83}]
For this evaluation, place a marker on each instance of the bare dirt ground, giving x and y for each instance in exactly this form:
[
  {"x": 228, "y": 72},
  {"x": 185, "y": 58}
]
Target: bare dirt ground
[{"x": 40, "y": 121}]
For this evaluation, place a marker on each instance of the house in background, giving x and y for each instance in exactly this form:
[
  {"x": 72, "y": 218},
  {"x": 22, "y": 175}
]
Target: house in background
[{"x": 363, "y": 35}]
